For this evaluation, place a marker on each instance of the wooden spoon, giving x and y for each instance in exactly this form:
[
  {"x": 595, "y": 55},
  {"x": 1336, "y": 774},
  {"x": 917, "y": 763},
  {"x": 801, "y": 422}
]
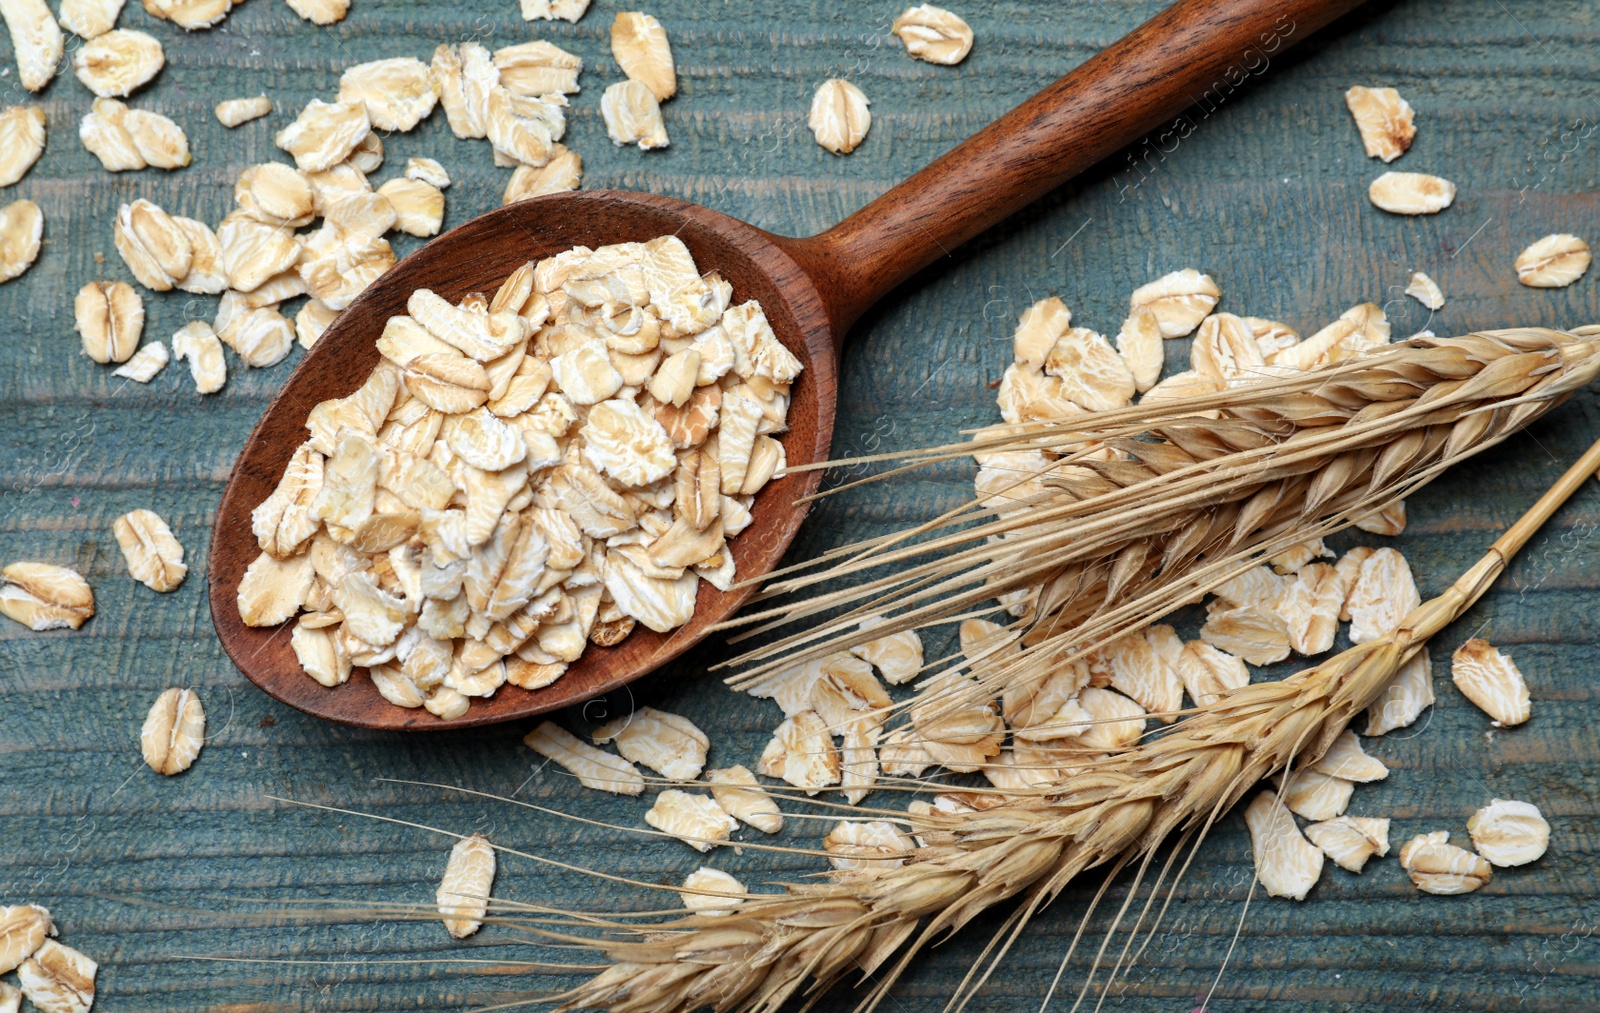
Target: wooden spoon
[{"x": 1196, "y": 53}]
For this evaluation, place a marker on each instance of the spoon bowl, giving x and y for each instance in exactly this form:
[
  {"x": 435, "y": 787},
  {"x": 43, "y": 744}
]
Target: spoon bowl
[
  {"x": 811, "y": 289},
  {"x": 477, "y": 257}
]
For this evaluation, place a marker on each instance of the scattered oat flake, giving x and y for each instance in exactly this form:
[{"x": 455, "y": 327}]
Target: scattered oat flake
[
  {"x": 563, "y": 172},
  {"x": 397, "y": 91},
  {"x": 463, "y": 896},
  {"x": 1225, "y": 348},
  {"x": 427, "y": 170},
  {"x": 155, "y": 248},
  {"x": 23, "y": 929},
  {"x": 1315, "y": 795},
  {"x": 21, "y": 229},
  {"x": 312, "y": 320},
  {"x": 90, "y": 18},
  {"x": 1286, "y": 863},
  {"x": 633, "y": 116},
  {"x": 839, "y": 117},
  {"x": 325, "y": 133},
  {"x": 198, "y": 343},
  {"x": 711, "y": 892},
  {"x": 1139, "y": 672},
  {"x": 1509, "y": 833},
  {"x": 1438, "y": 867},
  {"x": 847, "y": 692},
  {"x": 897, "y": 657},
  {"x": 1257, "y": 634},
  {"x": 1092, "y": 374},
  {"x": 42, "y": 596},
  {"x": 173, "y": 732},
  {"x": 1258, "y": 586},
  {"x": 1139, "y": 344},
  {"x": 802, "y": 753},
  {"x": 1408, "y": 694},
  {"x": 22, "y": 130},
  {"x": 261, "y": 336},
  {"x": 1348, "y": 570},
  {"x": 58, "y": 979},
  {"x": 1038, "y": 329},
  {"x": 594, "y": 768},
  {"x": 1425, "y": 291},
  {"x": 903, "y": 755},
  {"x": 418, "y": 206},
  {"x": 858, "y": 757},
  {"x": 190, "y": 15},
  {"x": 1383, "y": 594},
  {"x": 1346, "y": 759},
  {"x": 667, "y": 743},
  {"x": 117, "y": 63},
  {"x": 553, "y": 10},
  {"x": 640, "y": 47},
  {"x": 537, "y": 68},
  {"x": 1310, "y": 607},
  {"x": 1207, "y": 672},
  {"x": 104, "y": 133},
  {"x": 1180, "y": 300},
  {"x": 1555, "y": 261},
  {"x": 957, "y": 724},
  {"x": 933, "y": 34},
  {"x": 1188, "y": 383},
  {"x": 153, "y": 555},
  {"x": 1384, "y": 119},
  {"x": 1491, "y": 681},
  {"x": 234, "y": 112},
  {"x": 273, "y": 590},
  {"x": 1106, "y": 708},
  {"x": 790, "y": 688},
  {"x": 161, "y": 143},
  {"x": 143, "y": 366},
  {"x": 320, "y": 12},
  {"x": 1351, "y": 840},
  {"x": 1411, "y": 193},
  {"x": 109, "y": 317},
  {"x": 36, "y": 40},
  {"x": 874, "y": 845},
  {"x": 1388, "y": 520},
  {"x": 742, "y": 796},
  {"x": 696, "y": 820}
]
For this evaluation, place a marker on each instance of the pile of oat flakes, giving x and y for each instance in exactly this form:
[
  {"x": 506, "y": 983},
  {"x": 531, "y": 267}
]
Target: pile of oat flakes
[{"x": 523, "y": 475}]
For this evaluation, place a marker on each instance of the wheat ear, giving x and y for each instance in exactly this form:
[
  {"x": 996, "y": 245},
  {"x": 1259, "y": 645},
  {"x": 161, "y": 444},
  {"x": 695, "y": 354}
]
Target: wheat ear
[
  {"x": 876, "y": 921},
  {"x": 1112, "y": 545}
]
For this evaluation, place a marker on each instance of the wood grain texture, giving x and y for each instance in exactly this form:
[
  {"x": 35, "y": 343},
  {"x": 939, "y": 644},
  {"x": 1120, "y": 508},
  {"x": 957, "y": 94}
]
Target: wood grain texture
[{"x": 1267, "y": 193}]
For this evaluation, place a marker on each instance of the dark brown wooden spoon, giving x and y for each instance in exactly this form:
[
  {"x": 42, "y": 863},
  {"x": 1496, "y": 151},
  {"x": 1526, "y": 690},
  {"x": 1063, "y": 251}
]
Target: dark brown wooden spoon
[{"x": 1197, "y": 52}]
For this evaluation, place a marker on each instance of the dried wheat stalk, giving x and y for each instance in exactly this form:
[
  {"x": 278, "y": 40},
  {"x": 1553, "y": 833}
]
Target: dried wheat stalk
[
  {"x": 773, "y": 946},
  {"x": 1112, "y": 545}
]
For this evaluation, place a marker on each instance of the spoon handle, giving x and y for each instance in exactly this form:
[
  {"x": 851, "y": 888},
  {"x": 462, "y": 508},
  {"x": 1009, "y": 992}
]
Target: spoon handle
[{"x": 1196, "y": 53}]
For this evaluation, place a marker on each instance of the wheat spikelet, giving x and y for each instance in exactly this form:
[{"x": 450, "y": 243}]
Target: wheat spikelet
[
  {"x": 1101, "y": 547},
  {"x": 1122, "y": 809}
]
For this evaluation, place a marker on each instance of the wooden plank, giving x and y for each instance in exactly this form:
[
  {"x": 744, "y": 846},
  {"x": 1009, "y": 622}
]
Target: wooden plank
[{"x": 1267, "y": 194}]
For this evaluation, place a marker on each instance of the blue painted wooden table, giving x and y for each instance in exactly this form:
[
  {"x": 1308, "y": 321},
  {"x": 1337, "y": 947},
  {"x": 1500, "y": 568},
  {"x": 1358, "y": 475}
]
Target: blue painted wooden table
[{"x": 1267, "y": 193}]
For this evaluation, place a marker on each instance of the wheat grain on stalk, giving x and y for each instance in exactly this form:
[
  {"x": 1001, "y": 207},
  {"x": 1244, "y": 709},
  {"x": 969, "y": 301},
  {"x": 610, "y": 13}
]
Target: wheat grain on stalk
[
  {"x": 772, "y": 948},
  {"x": 1092, "y": 526}
]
